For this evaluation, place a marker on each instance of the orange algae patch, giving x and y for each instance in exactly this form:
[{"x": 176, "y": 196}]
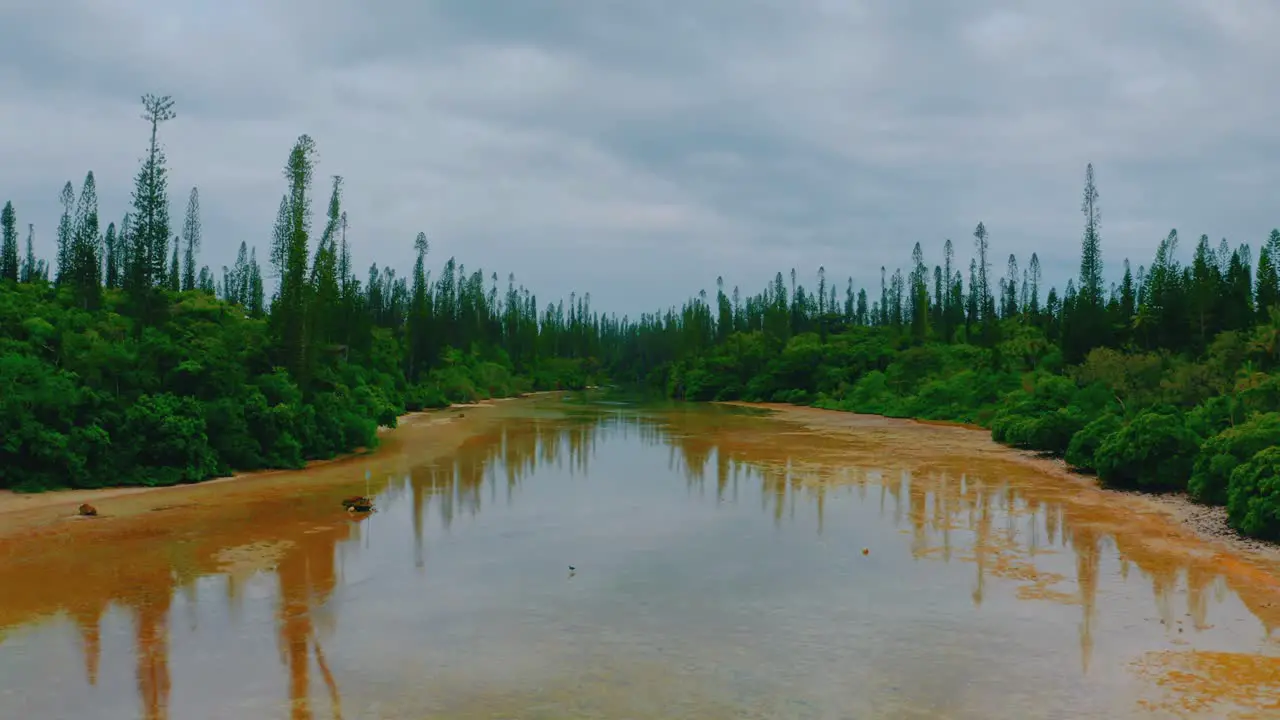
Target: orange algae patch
[{"x": 1230, "y": 685}]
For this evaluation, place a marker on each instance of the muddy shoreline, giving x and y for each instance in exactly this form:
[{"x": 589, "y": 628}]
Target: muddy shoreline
[
  {"x": 24, "y": 511},
  {"x": 1207, "y": 523}
]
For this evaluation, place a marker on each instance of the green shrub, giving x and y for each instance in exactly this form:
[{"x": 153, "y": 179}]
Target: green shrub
[
  {"x": 1154, "y": 452},
  {"x": 1253, "y": 497},
  {"x": 167, "y": 440},
  {"x": 1223, "y": 453},
  {"x": 1083, "y": 449}
]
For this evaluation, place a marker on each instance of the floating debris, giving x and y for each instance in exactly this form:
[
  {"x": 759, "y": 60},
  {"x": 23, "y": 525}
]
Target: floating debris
[{"x": 357, "y": 503}]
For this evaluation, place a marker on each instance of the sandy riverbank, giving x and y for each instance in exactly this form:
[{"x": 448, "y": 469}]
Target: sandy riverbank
[
  {"x": 1207, "y": 523},
  {"x": 20, "y": 511}
]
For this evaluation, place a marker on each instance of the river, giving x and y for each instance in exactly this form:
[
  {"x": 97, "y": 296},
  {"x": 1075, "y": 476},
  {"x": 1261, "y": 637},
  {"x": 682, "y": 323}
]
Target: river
[{"x": 727, "y": 564}]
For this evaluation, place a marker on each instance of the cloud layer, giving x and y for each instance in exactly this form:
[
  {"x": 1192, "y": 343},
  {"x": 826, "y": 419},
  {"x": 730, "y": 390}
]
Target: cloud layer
[{"x": 638, "y": 150}]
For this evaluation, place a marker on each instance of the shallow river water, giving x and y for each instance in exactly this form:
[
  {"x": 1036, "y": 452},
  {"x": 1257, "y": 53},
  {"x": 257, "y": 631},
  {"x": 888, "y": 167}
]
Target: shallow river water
[{"x": 727, "y": 565}]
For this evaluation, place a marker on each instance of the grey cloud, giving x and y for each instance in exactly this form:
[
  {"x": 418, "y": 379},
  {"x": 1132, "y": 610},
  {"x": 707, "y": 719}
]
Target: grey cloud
[{"x": 638, "y": 150}]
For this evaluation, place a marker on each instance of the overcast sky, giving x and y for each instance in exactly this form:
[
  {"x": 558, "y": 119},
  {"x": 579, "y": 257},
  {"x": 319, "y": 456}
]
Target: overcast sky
[{"x": 636, "y": 150}]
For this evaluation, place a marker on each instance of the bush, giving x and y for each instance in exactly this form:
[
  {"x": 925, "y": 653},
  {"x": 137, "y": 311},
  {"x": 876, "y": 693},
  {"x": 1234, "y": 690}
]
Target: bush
[
  {"x": 1043, "y": 415},
  {"x": 1083, "y": 449},
  {"x": 1224, "y": 452},
  {"x": 168, "y": 442},
  {"x": 1154, "y": 452},
  {"x": 1253, "y": 497},
  {"x": 1050, "y": 432},
  {"x": 423, "y": 397}
]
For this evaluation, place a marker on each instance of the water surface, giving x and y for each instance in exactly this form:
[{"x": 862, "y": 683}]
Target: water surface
[{"x": 720, "y": 572}]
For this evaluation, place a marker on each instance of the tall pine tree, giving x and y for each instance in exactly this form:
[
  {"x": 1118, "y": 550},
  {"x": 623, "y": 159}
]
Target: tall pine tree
[
  {"x": 150, "y": 230},
  {"x": 110, "y": 256},
  {"x": 66, "y": 233},
  {"x": 191, "y": 236},
  {"x": 8, "y": 243},
  {"x": 290, "y": 256},
  {"x": 1267, "y": 291},
  {"x": 1085, "y": 323},
  {"x": 32, "y": 269},
  {"x": 85, "y": 271}
]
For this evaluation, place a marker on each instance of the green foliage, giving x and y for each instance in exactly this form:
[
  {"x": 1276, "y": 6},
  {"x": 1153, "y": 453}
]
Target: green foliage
[
  {"x": 1223, "y": 453},
  {"x": 1082, "y": 450},
  {"x": 8, "y": 243},
  {"x": 96, "y": 397},
  {"x": 111, "y": 375},
  {"x": 1253, "y": 504},
  {"x": 1153, "y": 452},
  {"x": 164, "y": 442},
  {"x": 128, "y": 369}
]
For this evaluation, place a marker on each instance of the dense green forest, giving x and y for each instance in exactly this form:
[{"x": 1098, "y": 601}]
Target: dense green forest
[
  {"x": 123, "y": 361},
  {"x": 1165, "y": 381}
]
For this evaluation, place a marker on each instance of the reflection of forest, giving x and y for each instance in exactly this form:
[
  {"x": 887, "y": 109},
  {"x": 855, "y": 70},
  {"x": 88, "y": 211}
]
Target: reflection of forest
[
  {"x": 947, "y": 500},
  {"x": 163, "y": 561},
  {"x": 1008, "y": 522}
]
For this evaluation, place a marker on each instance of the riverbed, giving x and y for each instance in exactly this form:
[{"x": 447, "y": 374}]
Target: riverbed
[{"x": 588, "y": 557}]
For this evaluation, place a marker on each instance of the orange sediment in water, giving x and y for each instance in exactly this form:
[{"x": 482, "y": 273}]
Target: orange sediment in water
[{"x": 1047, "y": 538}]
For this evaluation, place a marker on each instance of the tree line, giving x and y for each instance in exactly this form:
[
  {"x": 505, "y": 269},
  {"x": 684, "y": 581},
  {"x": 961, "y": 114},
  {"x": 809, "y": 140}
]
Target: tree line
[
  {"x": 1164, "y": 381},
  {"x": 133, "y": 364},
  {"x": 126, "y": 361}
]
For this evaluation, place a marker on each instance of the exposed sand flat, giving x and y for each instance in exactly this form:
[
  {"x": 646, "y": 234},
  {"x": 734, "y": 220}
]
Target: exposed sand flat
[{"x": 1206, "y": 523}]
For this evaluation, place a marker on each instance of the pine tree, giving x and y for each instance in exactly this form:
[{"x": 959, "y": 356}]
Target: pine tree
[
  {"x": 1238, "y": 310},
  {"x": 972, "y": 300},
  {"x": 1128, "y": 303},
  {"x": 173, "y": 278},
  {"x": 822, "y": 288},
  {"x": 419, "y": 309},
  {"x": 1033, "y": 281},
  {"x": 985, "y": 301},
  {"x": 345, "y": 275},
  {"x": 205, "y": 281},
  {"x": 953, "y": 312},
  {"x": 290, "y": 256},
  {"x": 937, "y": 315},
  {"x": 256, "y": 304},
  {"x": 724, "y": 312},
  {"x": 1089, "y": 290},
  {"x": 149, "y": 241},
  {"x": 85, "y": 271},
  {"x": 882, "y": 318},
  {"x": 280, "y": 237},
  {"x": 919, "y": 298},
  {"x": 31, "y": 268},
  {"x": 66, "y": 233},
  {"x": 8, "y": 243},
  {"x": 324, "y": 304},
  {"x": 191, "y": 234},
  {"x": 1010, "y": 304},
  {"x": 1206, "y": 291},
  {"x": 110, "y": 255},
  {"x": 1085, "y": 324},
  {"x": 1267, "y": 291},
  {"x": 124, "y": 251}
]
